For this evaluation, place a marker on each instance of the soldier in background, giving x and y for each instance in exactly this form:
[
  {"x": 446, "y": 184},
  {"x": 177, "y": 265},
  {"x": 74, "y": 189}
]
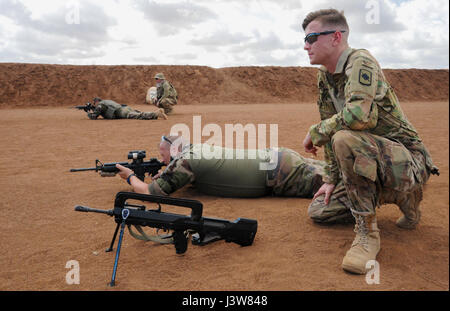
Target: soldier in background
[
  {"x": 109, "y": 109},
  {"x": 370, "y": 146},
  {"x": 166, "y": 95}
]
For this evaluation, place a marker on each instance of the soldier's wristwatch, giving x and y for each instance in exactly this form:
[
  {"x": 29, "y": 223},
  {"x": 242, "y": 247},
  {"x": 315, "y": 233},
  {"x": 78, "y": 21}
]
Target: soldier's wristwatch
[{"x": 128, "y": 179}]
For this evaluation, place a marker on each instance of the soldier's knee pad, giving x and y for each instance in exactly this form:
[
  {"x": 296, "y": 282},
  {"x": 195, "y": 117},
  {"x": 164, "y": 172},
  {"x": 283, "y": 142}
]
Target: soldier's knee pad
[
  {"x": 324, "y": 215},
  {"x": 316, "y": 209}
]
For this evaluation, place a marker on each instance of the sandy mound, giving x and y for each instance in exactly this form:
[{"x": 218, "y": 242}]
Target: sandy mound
[{"x": 66, "y": 85}]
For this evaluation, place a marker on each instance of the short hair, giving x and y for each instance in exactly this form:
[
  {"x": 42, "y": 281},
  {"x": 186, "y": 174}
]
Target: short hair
[
  {"x": 171, "y": 138},
  {"x": 328, "y": 17},
  {"x": 173, "y": 141}
]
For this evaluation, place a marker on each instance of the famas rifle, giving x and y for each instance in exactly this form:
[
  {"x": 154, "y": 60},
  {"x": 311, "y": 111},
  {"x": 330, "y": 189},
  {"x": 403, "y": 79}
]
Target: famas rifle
[
  {"x": 204, "y": 230},
  {"x": 138, "y": 166}
]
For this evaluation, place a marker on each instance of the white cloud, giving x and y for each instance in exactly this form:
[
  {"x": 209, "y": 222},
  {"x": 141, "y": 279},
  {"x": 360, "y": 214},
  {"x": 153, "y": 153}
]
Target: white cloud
[
  {"x": 217, "y": 33},
  {"x": 171, "y": 18},
  {"x": 52, "y": 36},
  {"x": 423, "y": 43}
]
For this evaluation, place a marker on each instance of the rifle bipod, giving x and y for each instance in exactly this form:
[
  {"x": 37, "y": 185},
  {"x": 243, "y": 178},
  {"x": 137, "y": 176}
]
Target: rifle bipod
[{"x": 125, "y": 213}]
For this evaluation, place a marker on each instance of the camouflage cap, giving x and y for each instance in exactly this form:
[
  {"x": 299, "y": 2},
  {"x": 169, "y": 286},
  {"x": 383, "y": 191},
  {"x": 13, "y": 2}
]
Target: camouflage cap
[{"x": 160, "y": 76}]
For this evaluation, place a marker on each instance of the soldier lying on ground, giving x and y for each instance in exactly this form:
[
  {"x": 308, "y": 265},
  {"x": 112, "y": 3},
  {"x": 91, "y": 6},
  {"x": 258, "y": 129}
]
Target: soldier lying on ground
[
  {"x": 109, "y": 109},
  {"x": 243, "y": 173}
]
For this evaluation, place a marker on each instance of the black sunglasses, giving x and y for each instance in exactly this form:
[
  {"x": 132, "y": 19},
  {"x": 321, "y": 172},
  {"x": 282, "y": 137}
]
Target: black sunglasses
[{"x": 312, "y": 37}]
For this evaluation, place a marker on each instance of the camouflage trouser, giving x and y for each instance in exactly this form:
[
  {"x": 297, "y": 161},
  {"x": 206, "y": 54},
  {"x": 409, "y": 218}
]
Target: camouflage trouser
[
  {"x": 129, "y": 113},
  {"x": 376, "y": 170},
  {"x": 302, "y": 177},
  {"x": 338, "y": 209},
  {"x": 295, "y": 175},
  {"x": 167, "y": 104}
]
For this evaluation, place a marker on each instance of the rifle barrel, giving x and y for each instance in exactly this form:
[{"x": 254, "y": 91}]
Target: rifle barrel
[
  {"x": 83, "y": 169},
  {"x": 80, "y": 208}
]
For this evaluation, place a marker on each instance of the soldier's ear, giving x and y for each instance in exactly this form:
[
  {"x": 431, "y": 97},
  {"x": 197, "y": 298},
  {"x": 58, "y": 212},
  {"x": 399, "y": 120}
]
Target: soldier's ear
[{"x": 338, "y": 37}]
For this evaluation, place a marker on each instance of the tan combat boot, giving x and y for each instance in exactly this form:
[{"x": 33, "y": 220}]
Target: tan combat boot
[
  {"x": 160, "y": 113},
  {"x": 409, "y": 205},
  {"x": 365, "y": 247}
]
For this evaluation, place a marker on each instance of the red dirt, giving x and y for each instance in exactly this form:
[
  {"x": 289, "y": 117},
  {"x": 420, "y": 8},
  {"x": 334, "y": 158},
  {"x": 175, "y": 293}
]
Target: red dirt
[{"x": 41, "y": 232}]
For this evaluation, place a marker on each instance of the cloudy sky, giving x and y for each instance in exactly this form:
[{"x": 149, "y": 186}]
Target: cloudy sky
[{"x": 215, "y": 33}]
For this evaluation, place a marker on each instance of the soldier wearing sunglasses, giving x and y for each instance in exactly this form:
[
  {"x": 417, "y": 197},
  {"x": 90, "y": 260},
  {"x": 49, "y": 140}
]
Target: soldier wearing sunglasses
[{"x": 370, "y": 146}]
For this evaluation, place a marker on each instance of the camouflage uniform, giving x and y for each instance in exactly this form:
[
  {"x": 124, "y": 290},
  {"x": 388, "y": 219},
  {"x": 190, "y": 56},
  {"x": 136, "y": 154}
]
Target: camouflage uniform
[
  {"x": 109, "y": 109},
  {"x": 167, "y": 96},
  {"x": 369, "y": 144},
  {"x": 287, "y": 173},
  {"x": 291, "y": 176}
]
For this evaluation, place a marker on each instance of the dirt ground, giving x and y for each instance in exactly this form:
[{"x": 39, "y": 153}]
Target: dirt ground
[{"x": 41, "y": 232}]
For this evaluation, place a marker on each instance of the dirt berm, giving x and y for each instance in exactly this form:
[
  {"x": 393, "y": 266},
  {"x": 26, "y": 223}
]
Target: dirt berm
[{"x": 25, "y": 85}]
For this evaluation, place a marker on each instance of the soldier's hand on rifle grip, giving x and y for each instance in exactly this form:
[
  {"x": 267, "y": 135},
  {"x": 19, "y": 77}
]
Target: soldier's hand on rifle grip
[
  {"x": 138, "y": 185},
  {"x": 124, "y": 171}
]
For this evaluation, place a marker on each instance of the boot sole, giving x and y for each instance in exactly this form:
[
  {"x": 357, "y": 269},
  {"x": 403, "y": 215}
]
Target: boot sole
[
  {"x": 410, "y": 226},
  {"x": 353, "y": 269}
]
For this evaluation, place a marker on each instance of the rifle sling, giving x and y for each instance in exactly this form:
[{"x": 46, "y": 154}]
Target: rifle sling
[{"x": 144, "y": 237}]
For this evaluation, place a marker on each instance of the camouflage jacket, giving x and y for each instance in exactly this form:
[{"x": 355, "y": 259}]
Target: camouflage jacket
[
  {"x": 358, "y": 97},
  {"x": 241, "y": 173},
  {"x": 176, "y": 175},
  {"x": 105, "y": 108},
  {"x": 216, "y": 171},
  {"x": 166, "y": 90}
]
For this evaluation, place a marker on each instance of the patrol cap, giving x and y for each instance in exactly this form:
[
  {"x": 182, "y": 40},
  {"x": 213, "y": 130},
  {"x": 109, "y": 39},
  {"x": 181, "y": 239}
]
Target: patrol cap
[
  {"x": 97, "y": 99},
  {"x": 160, "y": 76}
]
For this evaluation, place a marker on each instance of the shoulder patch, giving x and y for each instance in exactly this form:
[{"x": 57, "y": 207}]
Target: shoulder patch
[{"x": 365, "y": 77}]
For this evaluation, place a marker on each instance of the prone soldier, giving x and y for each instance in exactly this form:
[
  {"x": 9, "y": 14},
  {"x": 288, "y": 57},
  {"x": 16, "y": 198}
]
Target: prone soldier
[
  {"x": 109, "y": 109},
  {"x": 229, "y": 172}
]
